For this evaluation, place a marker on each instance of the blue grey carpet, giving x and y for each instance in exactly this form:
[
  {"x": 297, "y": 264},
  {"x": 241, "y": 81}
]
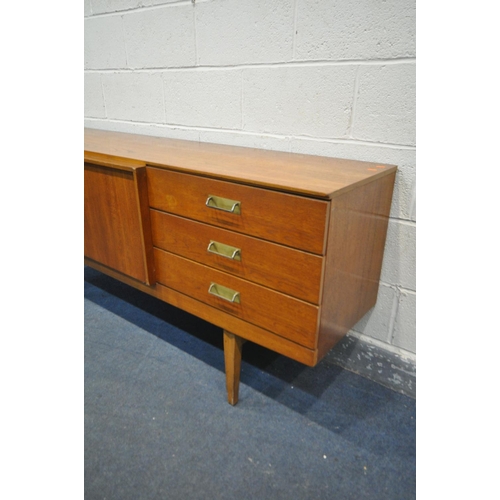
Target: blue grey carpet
[{"x": 157, "y": 424}]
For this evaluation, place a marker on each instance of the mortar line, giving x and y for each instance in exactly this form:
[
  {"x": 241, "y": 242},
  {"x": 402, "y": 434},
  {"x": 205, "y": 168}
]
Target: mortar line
[
  {"x": 103, "y": 99},
  {"x": 124, "y": 39},
  {"x": 405, "y": 222},
  {"x": 413, "y": 201},
  {"x": 195, "y": 37},
  {"x": 164, "y": 101},
  {"x": 294, "y": 42},
  {"x": 394, "y": 312},
  {"x": 229, "y": 67},
  {"x": 354, "y": 103},
  {"x": 140, "y": 9},
  {"x": 359, "y": 142},
  {"x": 399, "y": 288},
  {"x": 241, "y": 102}
]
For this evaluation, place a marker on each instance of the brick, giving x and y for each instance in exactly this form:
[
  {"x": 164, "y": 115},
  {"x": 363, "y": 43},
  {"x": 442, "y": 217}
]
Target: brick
[
  {"x": 103, "y": 6},
  {"x": 405, "y": 324},
  {"x": 160, "y": 38},
  {"x": 236, "y": 32},
  {"x": 208, "y": 98},
  {"x": 403, "y": 199},
  {"x": 93, "y": 96},
  {"x": 104, "y": 46},
  {"x": 377, "y": 322},
  {"x": 134, "y": 96},
  {"x": 313, "y": 101},
  {"x": 87, "y": 10},
  {"x": 399, "y": 265},
  {"x": 367, "y": 29},
  {"x": 385, "y": 104}
]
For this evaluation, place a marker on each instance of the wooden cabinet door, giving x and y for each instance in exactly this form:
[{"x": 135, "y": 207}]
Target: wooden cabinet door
[{"x": 117, "y": 227}]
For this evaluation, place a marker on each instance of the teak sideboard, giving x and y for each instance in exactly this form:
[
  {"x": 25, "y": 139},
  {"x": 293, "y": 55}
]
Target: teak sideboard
[{"x": 280, "y": 249}]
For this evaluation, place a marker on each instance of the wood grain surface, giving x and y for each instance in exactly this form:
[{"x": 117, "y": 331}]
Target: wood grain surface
[
  {"x": 115, "y": 232},
  {"x": 291, "y": 318},
  {"x": 285, "y": 269},
  {"x": 310, "y": 175},
  {"x": 358, "y": 228},
  {"x": 291, "y": 220}
]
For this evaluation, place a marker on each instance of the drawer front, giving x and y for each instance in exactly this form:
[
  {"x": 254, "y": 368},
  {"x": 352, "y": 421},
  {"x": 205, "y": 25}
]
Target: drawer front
[
  {"x": 294, "y": 221},
  {"x": 286, "y": 316},
  {"x": 287, "y": 270}
]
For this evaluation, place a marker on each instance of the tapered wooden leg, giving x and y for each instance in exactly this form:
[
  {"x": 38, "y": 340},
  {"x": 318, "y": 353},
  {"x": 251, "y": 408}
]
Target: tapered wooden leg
[{"x": 232, "y": 358}]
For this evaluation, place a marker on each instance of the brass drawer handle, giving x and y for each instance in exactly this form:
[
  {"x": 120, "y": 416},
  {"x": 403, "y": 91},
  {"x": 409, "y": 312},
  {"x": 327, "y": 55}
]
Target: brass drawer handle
[
  {"x": 224, "y": 293},
  {"x": 231, "y": 206},
  {"x": 222, "y": 250}
]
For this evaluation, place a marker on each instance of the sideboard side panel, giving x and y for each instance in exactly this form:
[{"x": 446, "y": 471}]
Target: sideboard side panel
[{"x": 356, "y": 241}]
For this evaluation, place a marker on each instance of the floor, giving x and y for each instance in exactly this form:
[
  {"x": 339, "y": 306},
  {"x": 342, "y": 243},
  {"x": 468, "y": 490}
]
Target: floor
[{"x": 157, "y": 424}]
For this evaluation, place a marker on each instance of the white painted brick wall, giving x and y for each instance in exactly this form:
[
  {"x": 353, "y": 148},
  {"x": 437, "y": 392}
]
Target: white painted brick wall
[
  {"x": 365, "y": 29},
  {"x": 399, "y": 266},
  {"x": 160, "y": 38},
  {"x": 104, "y": 43},
  {"x": 94, "y": 98},
  {"x": 333, "y": 78},
  {"x": 134, "y": 96},
  {"x": 87, "y": 11},
  {"x": 378, "y": 323},
  {"x": 405, "y": 326},
  {"x": 385, "y": 104},
  {"x": 102, "y": 6},
  {"x": 236, "y": 32},
  {"x": 311, "y": 101},
  {"x": 204, "y": 98}
]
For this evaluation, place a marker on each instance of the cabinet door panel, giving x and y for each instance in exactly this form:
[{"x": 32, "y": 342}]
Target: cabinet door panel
[{"x": 117, "y": 229}]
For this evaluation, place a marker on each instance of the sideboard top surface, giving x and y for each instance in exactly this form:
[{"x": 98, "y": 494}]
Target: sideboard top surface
[{"x": 310, "y": 175}]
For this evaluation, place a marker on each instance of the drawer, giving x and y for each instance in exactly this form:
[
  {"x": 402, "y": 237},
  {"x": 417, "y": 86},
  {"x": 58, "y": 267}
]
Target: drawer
[
  {"x": 286, "y": 316},
  {"x": 290, "y": 220},
  {"x": 290, "y": 271}
]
